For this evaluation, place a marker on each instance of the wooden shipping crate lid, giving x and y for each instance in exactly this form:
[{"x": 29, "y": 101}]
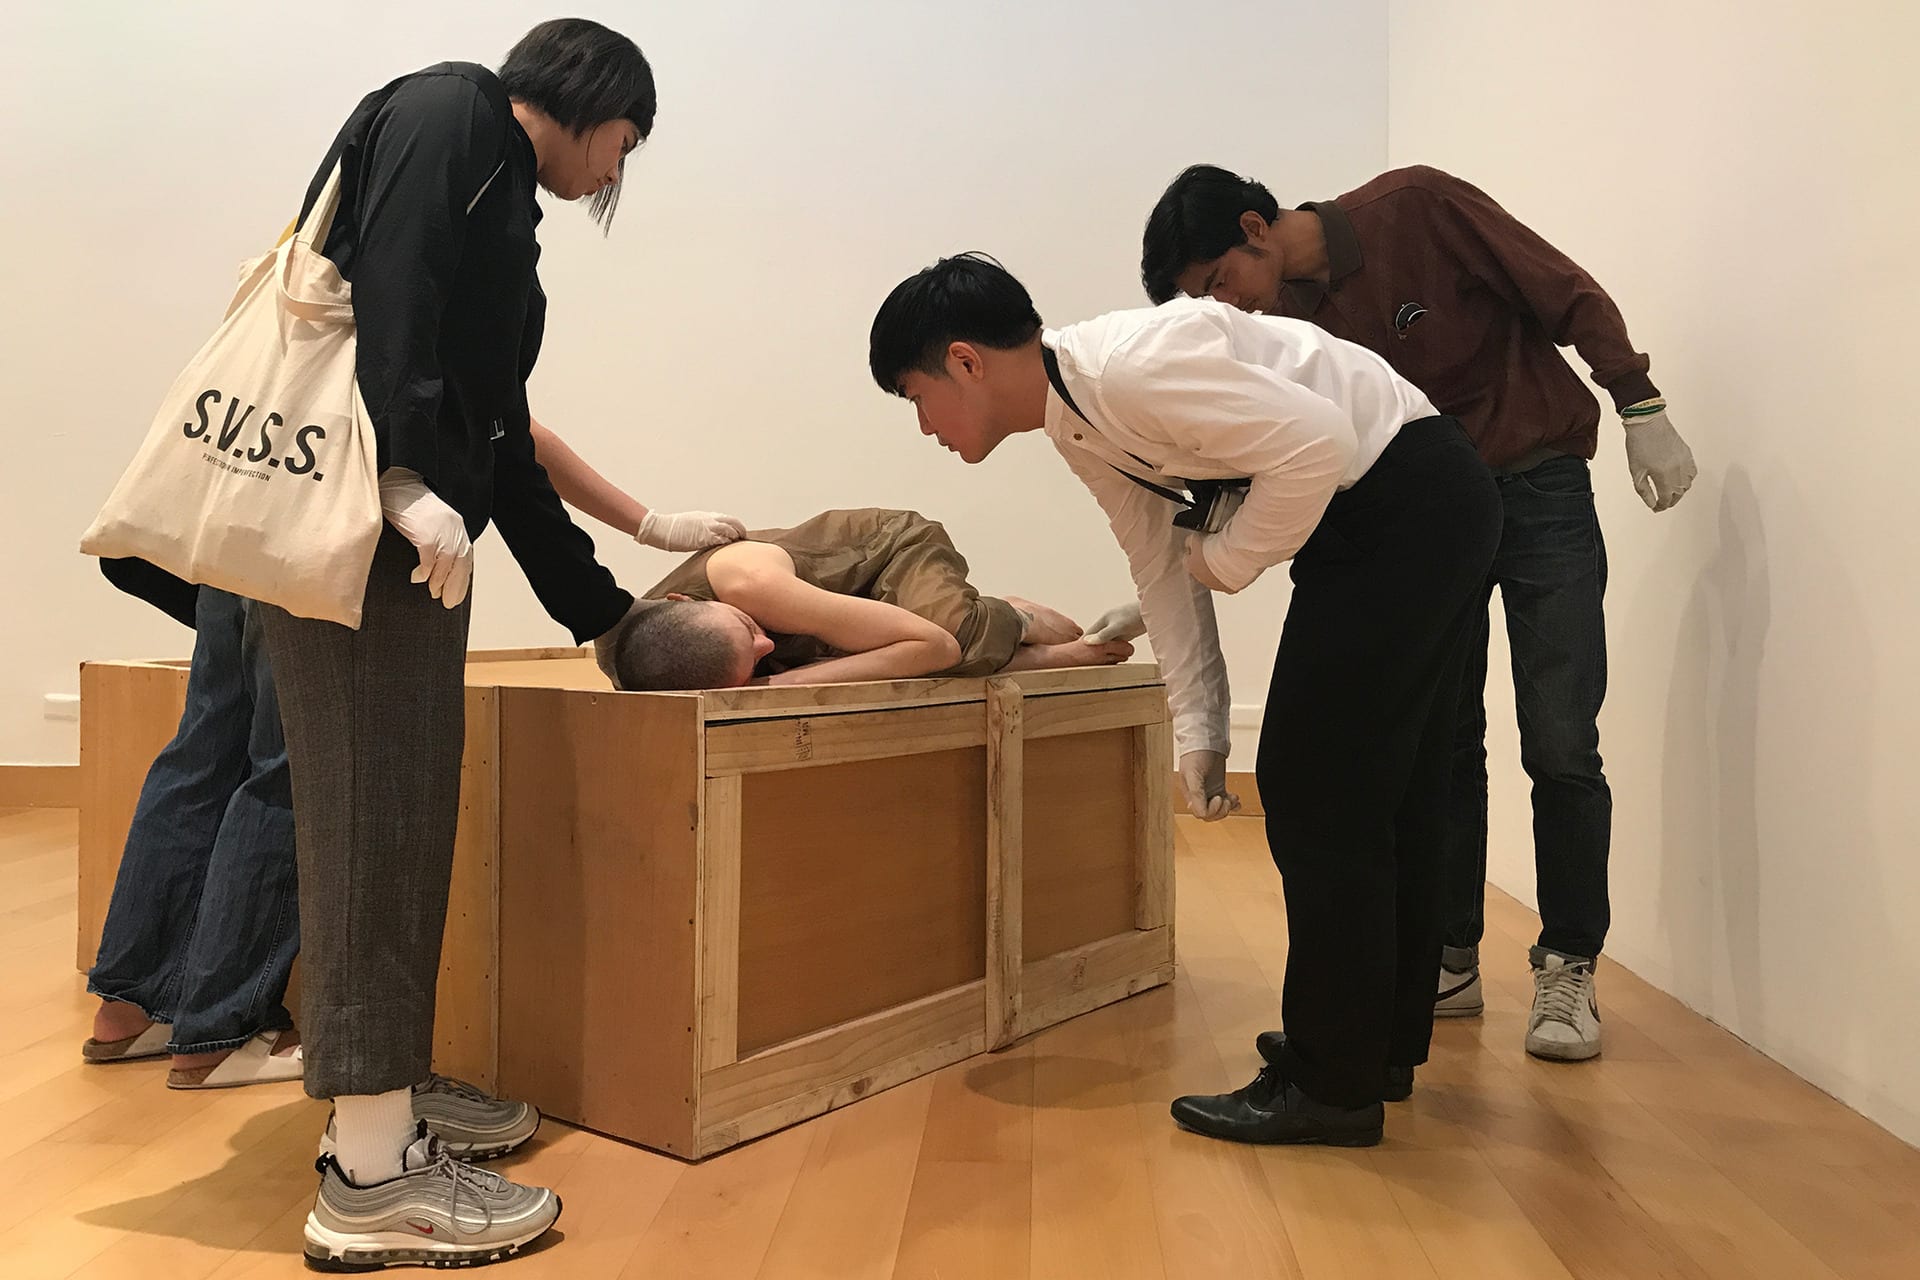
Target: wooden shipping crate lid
[
  {"x": 723, "y": 706},
  {"x": 571, "y": 668},
  {"x": 575, "y": 669}
]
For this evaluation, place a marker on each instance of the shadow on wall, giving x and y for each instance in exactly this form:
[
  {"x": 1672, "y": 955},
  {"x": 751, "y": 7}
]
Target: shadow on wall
[{"x": 1761, "y": 835}]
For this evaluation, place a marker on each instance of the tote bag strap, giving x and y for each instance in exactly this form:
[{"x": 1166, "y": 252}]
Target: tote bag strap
[
  {"x": 319, "y": 220},
  {"x": 312, "y": 235}
]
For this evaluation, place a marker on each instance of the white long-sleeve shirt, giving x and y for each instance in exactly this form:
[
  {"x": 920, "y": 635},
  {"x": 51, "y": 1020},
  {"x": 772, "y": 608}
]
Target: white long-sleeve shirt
[{"x": 1199, "y": 390}]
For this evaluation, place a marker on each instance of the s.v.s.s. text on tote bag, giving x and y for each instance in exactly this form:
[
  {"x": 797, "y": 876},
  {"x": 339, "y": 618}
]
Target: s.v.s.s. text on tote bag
[{"x": 258, "y": 474}]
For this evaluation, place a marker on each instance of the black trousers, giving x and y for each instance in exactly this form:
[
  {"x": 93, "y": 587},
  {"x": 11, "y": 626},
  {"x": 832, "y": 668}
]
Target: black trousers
[{"x": 1355, "y": 754}]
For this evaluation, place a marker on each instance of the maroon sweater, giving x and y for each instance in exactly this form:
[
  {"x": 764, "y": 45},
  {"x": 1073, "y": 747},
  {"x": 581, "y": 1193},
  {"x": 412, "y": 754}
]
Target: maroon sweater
[{"x": 1469, "y": 305}]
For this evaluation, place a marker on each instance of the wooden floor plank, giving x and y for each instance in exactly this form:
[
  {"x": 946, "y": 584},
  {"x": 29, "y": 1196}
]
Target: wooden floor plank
[
  {"x": 721, "y": 1214},
  {"x": 1680, "y": 1154},
  {"x": 1211, "y": 1200},
  {"x": 970, "y": 1210},
  {"x": 1093, "y": 1212},
  {"x": 844, "y": 1216}
]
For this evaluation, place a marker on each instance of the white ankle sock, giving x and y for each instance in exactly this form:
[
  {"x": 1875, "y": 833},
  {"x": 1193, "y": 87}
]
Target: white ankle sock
[{"x": 371, "y": 1132}]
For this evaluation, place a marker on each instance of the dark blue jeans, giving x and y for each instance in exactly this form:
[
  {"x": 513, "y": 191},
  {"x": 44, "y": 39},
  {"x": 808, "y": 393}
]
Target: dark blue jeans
[
  {"x": 1552, "y": 574},
  {"x": 205, "y": 919}
]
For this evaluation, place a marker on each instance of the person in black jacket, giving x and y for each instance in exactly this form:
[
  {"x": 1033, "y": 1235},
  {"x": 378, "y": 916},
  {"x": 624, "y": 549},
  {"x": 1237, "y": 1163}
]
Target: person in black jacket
[{"x": 435, "y": 233}]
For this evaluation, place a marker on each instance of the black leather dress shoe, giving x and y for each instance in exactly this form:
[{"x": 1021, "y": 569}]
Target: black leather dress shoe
[
  {"x": 1272, "y": 1110},
  {"x": 1399, "y": 1082}
]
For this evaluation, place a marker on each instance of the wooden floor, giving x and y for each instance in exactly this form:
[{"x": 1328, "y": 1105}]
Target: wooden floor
[{"x": 1681, "y": 1153}]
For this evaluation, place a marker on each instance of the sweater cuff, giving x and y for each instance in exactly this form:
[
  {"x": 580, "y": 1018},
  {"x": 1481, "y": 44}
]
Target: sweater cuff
[{"x": 1631, "y": 389}]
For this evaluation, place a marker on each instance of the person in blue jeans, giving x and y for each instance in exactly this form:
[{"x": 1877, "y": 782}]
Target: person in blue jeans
[
  {"x": 1471, "y": 306},
  {"x": 204, "y": 923}
]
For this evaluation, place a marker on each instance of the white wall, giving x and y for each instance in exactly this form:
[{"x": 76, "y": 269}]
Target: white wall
[
  {"x": 713, "y": 351},
  {"x": 1741, "y": 179}
]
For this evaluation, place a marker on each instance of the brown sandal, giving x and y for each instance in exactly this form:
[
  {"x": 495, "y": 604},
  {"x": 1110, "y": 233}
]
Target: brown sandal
[
  {"x": 254, "y": 1062},
  {"x": 151, "y": 1043}
]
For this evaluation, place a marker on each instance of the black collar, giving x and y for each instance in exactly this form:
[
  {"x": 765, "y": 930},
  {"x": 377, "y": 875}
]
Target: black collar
[{"x": 1343, "y": 257}]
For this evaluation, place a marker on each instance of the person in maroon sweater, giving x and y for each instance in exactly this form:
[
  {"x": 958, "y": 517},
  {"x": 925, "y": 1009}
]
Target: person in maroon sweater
[{"x": 1471, "y": 306}]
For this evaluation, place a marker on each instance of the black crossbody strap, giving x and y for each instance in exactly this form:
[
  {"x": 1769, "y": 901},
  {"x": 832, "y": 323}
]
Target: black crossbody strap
[{"x": 1052, "y": 362}]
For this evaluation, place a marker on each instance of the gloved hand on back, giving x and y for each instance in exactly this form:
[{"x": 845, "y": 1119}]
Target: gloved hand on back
[{"x": 687, "y": 530}]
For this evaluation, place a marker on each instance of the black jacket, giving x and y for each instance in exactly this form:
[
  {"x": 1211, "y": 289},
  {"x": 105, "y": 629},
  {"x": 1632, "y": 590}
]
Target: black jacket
[
  {"x": 450, "y": 316},
  {"x": 435, "y": 233},
  {"x": 177, "y": 599}
]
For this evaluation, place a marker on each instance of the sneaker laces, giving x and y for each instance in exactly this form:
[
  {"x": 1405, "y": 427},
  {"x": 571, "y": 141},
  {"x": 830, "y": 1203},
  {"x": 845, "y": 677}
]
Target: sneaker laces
[
  {"x": 437, "y": 1083},
  {"x": 1559, "y": 991},
  {"x": 479, "y": 1181}
]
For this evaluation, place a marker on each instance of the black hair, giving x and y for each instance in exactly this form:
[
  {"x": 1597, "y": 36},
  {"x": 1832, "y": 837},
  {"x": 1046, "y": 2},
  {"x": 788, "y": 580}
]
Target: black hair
[
  {"x": 672, "y": 645},
  {"x": 1196, "y": 220},
  {"x": 582, "y": 75},
  {"x": 966, "y": 298}
]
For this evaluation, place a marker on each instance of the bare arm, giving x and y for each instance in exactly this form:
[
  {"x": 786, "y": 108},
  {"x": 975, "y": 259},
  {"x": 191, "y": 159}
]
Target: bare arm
[
  {"x": 881, "y": 641},
  {"x": 583, "y": 488}
]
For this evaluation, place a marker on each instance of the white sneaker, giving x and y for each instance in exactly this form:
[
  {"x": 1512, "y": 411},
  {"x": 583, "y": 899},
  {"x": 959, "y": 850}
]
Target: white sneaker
[
  {"x": 1565, "y": 1023},
  {"x": 1459, "y": 995}
]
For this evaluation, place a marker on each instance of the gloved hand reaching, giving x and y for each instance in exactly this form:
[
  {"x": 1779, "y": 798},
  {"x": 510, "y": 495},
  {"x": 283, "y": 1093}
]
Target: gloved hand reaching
[
  {"x": 1121, "y": 623},
  {"x": 687, "y": 530},
  {"x": 1203, "y": 775},
  {"x": 1662, "y": 466},
  {"x": 436, "y": 531}
]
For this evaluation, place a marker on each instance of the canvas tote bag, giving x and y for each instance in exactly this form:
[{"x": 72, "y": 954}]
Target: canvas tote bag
[{"x": 258, "y": 474}]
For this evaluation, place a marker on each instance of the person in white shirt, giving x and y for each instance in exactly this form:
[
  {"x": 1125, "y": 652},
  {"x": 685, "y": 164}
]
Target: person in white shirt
[{"x": 1295, "y": 446}]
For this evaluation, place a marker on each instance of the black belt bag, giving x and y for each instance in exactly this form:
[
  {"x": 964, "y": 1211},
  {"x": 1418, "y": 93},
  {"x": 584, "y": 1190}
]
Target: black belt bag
[{"x": 1205, "y": 507}]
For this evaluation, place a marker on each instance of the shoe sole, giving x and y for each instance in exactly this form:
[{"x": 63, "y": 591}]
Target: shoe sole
[
  {"x": 480, "y": 1155},
  {"x": 475, "y": 1153},
  {"x": 338, "y": 1254},
  {"x": 1343, "y": 1140},
  {"x": 102, "y": 1052},
  {"x": 87, "y": 1056},
  {"x": 1562, "y": 1053},
  {"x": 471, "y": 1153},
  {"x": 228, "y": 1084}
]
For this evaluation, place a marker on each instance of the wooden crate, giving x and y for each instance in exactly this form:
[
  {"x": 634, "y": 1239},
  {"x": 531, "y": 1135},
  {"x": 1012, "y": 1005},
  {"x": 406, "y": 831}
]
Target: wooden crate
[{"x": 687, "y": 920}]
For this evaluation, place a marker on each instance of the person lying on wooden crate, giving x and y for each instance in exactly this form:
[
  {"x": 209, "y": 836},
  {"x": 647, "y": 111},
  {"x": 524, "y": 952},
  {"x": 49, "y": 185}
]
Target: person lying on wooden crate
[{"x": 866, "y": 594}]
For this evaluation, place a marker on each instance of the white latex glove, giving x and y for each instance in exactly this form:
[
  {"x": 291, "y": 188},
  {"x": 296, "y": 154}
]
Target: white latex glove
[
  {"x": 687, "y": 530},
  {"x": 1662, "y": 465},
  {"x": 1203, "y": 775},
  {"x": 436, "y": 531},
  {"x": 1121, "y": 623}
]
